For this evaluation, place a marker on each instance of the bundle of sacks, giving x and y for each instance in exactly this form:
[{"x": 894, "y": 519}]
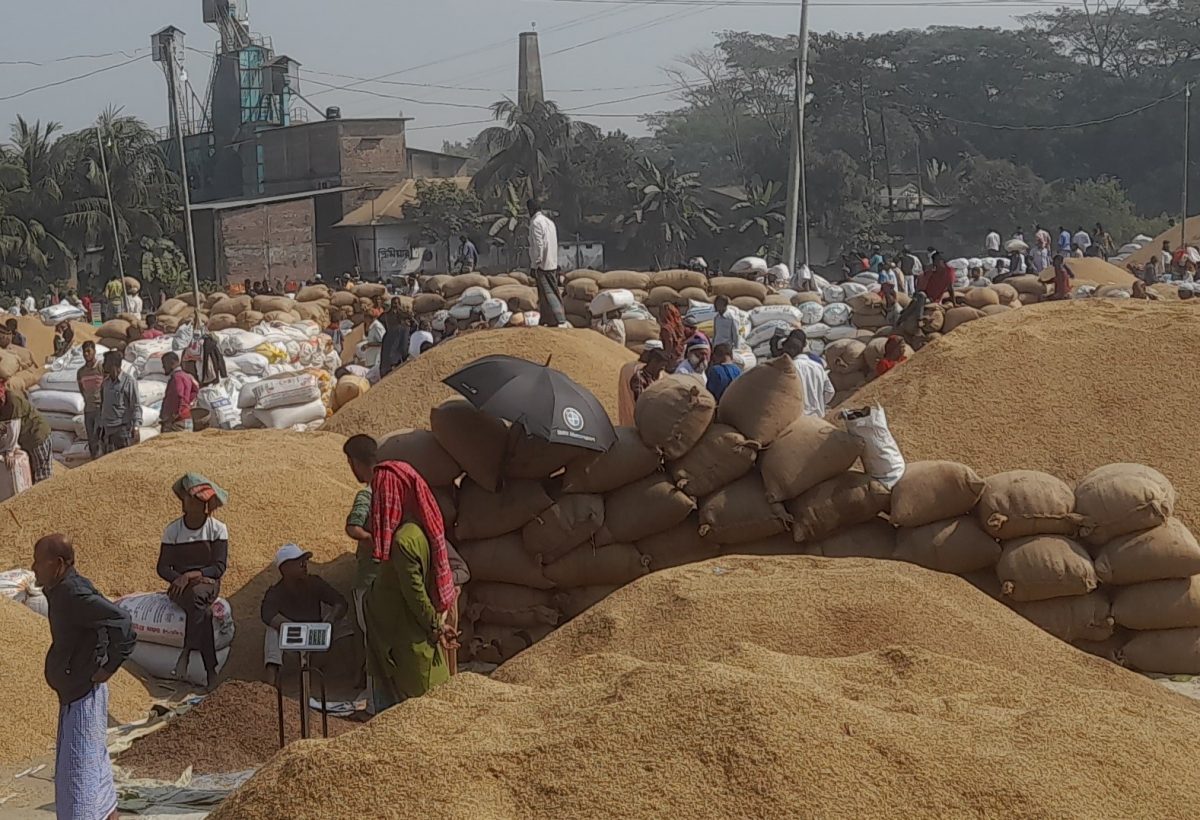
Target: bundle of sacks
[
  {"x": 471, "y": 298},
  {"x": 18, "y": 368},
  {"x": 278, "y": 375},
  {"x": 58, "y": 399},
  {"x": 160, "y": 625},
  {"x": 222, "y": 311},
  {"x": 548, "y": 530}
]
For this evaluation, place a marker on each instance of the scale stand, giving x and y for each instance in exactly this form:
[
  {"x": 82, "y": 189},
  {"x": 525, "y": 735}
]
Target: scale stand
[{"x": 304, "y": 639}]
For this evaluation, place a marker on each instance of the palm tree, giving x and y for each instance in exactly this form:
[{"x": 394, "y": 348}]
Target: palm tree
[
  {"x": 32, "y": 197},
  {"x": 669, "y": 211},
  {"x": 22, "y": 243},
  {"x": 531, "y": 143},
  {"x": 760, "y": 207}
]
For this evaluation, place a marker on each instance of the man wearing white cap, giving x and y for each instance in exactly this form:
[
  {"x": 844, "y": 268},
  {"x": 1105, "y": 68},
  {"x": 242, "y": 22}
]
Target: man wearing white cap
[{"x": 297, "y": 598}]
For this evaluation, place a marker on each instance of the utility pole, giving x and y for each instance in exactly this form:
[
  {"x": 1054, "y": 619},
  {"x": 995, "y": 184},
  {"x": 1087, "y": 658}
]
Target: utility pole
[
  {"x": 796, "y": 214},
  {"x": 1187, "y": 123},
  {"x": 112, "y": 218},
  {"x": 163, "y": 46}
]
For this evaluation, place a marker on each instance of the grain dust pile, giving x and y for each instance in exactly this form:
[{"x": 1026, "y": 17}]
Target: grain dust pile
[
  {"x": 31, "y": 705},
  {"x": 283, "y": 487},
  {"x": 1063, "y": 388},
  {"x": 40, "y": 338},
  {"x": 772, "y": 687},
  {"x": 233, "y": 729},
  {"x": 405, "y": 397}
]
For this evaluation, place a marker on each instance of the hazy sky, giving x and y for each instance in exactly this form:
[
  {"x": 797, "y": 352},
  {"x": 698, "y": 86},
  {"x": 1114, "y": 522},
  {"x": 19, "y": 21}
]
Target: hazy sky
[{"x": 472, "y": 43}]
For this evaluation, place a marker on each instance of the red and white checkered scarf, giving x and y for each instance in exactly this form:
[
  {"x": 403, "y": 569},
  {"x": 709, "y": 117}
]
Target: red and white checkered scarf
[{"x": 400, "y": 494}]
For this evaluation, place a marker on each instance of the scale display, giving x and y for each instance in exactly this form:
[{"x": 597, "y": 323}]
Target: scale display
[{"x": 306, "y": 637}]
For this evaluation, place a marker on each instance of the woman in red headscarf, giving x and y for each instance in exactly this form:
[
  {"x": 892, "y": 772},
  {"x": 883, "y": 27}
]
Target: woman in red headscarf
[
  {"x": 406, "y": 607},
  {"x": 672, "y": 334},
  {"x": 893, "y": 354}
]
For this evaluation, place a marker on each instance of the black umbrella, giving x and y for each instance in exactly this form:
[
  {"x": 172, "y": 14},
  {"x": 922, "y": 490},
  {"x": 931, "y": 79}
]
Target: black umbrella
[{"x": 544, "y": 401}]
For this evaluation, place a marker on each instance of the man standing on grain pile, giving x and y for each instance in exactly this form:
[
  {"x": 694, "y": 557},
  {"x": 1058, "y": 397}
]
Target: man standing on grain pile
[
  {"x": 543, "y": 263},
  {"x": 90, "y": 637}
]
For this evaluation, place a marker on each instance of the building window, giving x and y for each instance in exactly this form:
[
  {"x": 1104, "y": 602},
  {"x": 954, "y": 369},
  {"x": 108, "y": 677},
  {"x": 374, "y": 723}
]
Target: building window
[{"x": 369, "y": 143}]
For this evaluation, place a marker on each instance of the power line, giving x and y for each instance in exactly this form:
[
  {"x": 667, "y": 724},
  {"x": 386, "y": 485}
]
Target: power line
[
  {"x": 57, "y": 83},
  {"x": 835, "y": 3},
  {"x": 410, "y": 84},
  {"x": 42, "y": 64},
  {"x": 1058, "y": 127},
  {"x": 382, "y": 95}
]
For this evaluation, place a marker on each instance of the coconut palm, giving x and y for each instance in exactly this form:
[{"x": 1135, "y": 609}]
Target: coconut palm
[
  {"x": 669, "y": 212},
  {"x": 32, "y": 197},
  {"x": 531, "y": 143}
]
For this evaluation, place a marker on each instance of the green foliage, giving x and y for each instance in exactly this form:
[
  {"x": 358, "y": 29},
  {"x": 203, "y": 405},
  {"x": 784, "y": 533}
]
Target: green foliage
[
  {"x": 762, "y": 212},
  {"x": 443, "y": 210},
  {"x": 163, "y": 261},
  {"x": 669, "y": 211}
]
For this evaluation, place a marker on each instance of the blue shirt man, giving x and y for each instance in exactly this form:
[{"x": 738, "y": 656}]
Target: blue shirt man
[{"x": 468, "y": 256}]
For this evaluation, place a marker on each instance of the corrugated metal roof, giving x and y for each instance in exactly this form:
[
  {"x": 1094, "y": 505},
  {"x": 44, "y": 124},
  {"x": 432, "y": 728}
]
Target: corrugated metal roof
[
  {"x": 226, "y": 204},
  {"x": 388, "y": 207}
]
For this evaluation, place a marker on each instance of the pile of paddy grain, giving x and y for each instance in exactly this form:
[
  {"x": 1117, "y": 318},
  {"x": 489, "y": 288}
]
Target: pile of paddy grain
[
  {"x": 405, "y": 397},
  {"x": 233, "y": 729},
  {"x": 283, "y": 487},
  {"x": 755, "y": 686},
  {"x": 40, "y": 339},
  {"x": 29, "y": 705},
  {"x": 1061, "y": 387}
]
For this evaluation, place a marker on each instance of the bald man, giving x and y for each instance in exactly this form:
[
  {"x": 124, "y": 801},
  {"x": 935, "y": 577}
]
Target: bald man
[{"x": 90, "y": 637}]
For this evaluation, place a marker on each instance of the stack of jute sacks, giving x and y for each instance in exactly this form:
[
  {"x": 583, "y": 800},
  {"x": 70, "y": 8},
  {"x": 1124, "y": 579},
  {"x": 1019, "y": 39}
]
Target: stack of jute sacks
[
  {"x": 548, "y": 530},
  {"x": 463, "y": 295}
]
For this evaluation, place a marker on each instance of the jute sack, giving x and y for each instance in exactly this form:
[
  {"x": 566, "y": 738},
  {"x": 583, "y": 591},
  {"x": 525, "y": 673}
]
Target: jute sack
[
  {"x": 223, "y": 321},
  {"x": 836, "y": 504},
  {"x": 343, "y": 298},
  {"x": 473, "y": 439},
  {"x": 447, "y": 501},
  {"x": 1075, "y": 618},
  {"x": 995, "y": 310},
  {"x": 582, "y": 289},
  {"x": 313, "y": 293},
  {"x": 957, "y": 545},
  {"x": 780, "y": 543},
  {"x": 1007, "y": 293},
  {"x": 1044, "y": 566},
  {"x": 572, "y": 602},
  {"x": 501, "y": 280},
  {"x": 113, "y": 329},
  {"x": 171, "y": 307},
  {"x": 428, "y": 303},
  {"x": 587, "y": 564},
  {"x": 582, "y": 273},
  {"x": 369, "y": 290},
  {"x": 722, "y": 455},
  {"x": 628, "y": 460},
  {"x": 489, "y": 643},
  {"x": 420, "y": 449},
  {"x": 624, "y": 280},
  {"x": 661, "y": 296},
  {"x": 980, "y": 298},
  {"x": 1168, "y": 604},
  {"x": 269, "y": 304},
  {"x": 739, "y": 512},
  {"x": 1111, "y": 649},
  {"x": 1167, "y": 551},
  {"x": 679, "y": 279},
  {"x": 681, "y": 544},
  {"x": 1165, "y": 651},
  {"x": 673, "y": 413},
  {"x": 846, "y": 383},
  {"x": 460, "y": 282},
  {"x": 232, "y": 305},
  {"x": 526, "y": 297},
  {"x": 734, "y": 287},
  {"x": 934, "y": 491},
  {"x": 435, "y": 283},
  {"x": 503, "y": 560},
  {"x": 874, "y": 539},
  {"x": 958, "y": 316},
  {"x": 566, "y": 524},
  {"x": 638, "y": 331},
  {"x": 764, "y": 400},
  {"x": 482, "y": 514},
  {"x": 510, "y": 605},
  {"x": 648, "y": 505},
  {"x": 846, "y": 356},
  {"x": 1122, "y": 498},
  {"x": 527, "y": 456},
  {"x": 1018, "y": 503},
  {"x": 809, "y": 451},
  {"x": 1026, "y": 283}
]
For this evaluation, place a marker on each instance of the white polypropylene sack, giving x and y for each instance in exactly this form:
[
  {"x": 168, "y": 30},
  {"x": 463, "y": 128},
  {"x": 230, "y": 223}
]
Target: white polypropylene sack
[
  {"x": 841, "y": 332},
  {"x": 744, "y": 358},
  {"x": 233, "y": 341},
  {"x": 836, "y": 314},
  {"x": 150, "y": 414},
  {"x": 779, "y": 273},
  {"x": 20, "y": 586},
  {"x": 59, "y": 380},
  {"x": 286, "y": 392},
  {"x": 833, "y": 293},
  {"x": 881, "y": 458},
  {"x": 57, "y": 401},
  {"x": 222, "y": 412},
  {"x": 768, "y": 313},
  {"x": 151, "y": 391},
  {"x": 763, "y": 334},
  {"x": 281, "y": 418},
  {"x": 78, "y": 453},
  {"x": 493, "y": 309},
  {"x": 462, "y": 312},
  {"x": 749, "y": 264},
  {"x": 811, "y": 312},
  {"x": 79, "y": 427},
  {"x": 156, "y": 619},
  {"x": 474, "y": 296},
  {"x": 61, "y": 440},
  {"x": 855, "y": 288},
  {"x": 865, "y": 278},
  {"x": 62, "y": 312},
  {"x": 816, "y": 331},
  {"x": 610, "y": 300},
  {"x": 61, "y": 422},
  {"x": 251, "y": 364},
  {"x": 158, "y": 661},
  {"x": 959, "y": 264}
]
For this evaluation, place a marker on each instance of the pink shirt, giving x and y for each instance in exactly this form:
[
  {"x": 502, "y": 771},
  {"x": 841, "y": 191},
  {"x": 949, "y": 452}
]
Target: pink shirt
[{"x": 182, "y": 390}]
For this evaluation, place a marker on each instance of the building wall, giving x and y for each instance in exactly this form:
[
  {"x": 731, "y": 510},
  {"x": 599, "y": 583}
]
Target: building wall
[
  {"x": 298, "y": 158},
  {"x": 276, "y": 241},
  {"x": 373, "y": 152},
  {"x": 386, "y": 249},
  {"x": 434, "y": 165}
]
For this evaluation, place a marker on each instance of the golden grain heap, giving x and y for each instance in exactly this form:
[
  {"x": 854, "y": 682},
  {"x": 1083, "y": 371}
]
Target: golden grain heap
[{"x": 769, "y": 687}]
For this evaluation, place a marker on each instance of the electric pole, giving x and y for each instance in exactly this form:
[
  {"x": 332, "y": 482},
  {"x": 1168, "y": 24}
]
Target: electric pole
[
  {"x": 112, "y": 218},
  {"x": 797, "y": 205},
  {"x": 1187, "y": 123}
]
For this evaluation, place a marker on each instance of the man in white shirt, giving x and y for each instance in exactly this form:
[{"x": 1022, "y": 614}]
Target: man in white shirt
[
  {"x": 30, "y": 304},
  {"x": 725, "y": 328},
  {"x": 543, "y": 263},
  {"x": 991, "y": 243},
  {"x": 818, "y": 389},
  {"x": 422, "y": 336},
  {"x": 1081, "y": 240}
]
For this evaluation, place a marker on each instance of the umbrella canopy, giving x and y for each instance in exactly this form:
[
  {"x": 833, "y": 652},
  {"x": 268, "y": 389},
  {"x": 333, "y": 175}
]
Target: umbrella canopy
[{"x": 544, "y": 401}]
